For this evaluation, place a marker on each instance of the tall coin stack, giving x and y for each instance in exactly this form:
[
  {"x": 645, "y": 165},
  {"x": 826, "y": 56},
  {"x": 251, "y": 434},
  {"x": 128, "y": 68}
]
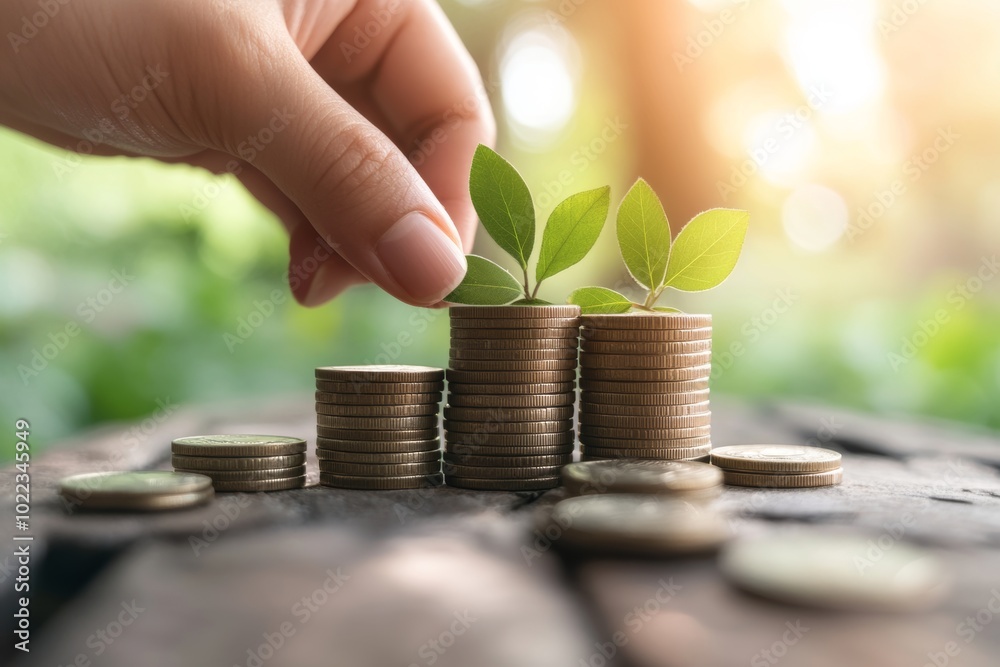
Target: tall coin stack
[
  {"x": 243, "y": 462},
  {"x": 377, "y": 426},
  {"x": 644, "y": 386},
  {"x": 511, "y": 391}
]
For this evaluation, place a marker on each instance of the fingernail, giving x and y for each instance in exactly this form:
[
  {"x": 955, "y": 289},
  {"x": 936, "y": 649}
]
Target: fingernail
[
  {"x": 421, "y": 258},
  {"x": 316, "y": 293}
]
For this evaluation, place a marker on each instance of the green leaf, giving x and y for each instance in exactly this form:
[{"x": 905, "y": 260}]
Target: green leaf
[
  {"x": 572, "y": 230},
  {"x": 485, "y": 284},
  {"x": 599, "y": 300},
  {"x": 531, "y": 302},
  {"x": 706, "y": 250},
  {"x": 644, "y": 235},
  {"x": 503, "y": 203},
  {"x": 665, "y": 309}
]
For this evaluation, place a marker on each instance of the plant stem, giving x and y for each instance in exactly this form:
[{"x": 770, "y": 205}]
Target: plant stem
[
  {"x": 651, "y": 299},
  {"x": 527, "y": 290},
  {"x": 534, "y": 292}
]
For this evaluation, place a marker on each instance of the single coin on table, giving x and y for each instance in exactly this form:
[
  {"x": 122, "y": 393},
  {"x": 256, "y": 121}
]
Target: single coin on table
[
  {"x": 510, "y": 428},
  {"x": 511, "y": 439},
  {"x": 428, "y": 444},
  {"x": 644, "y": 433},
  {"x": 136, "y": 491},
  {"x": 383, "y": 373},
  {"x": 369, "y": 400},
  {"x": 667, "y": 454},
  {"x": 368, "y": 390},
  {"x": 205, "y": 464},
  {"x": 515, "y": 389},
  {"x": 644, "y": 348},
  {"x": 656, "y": 393},
  {"x": 497, "y": 414},
  {"x": 771, "y": 480},
  {"x": 640, "y": 476},
  {"x": 285, "y": 484},
  {"x": 645, "y": 421},
  {"x": 504, "y": 366},
  {"x": 237, "y": 445},
  {"x": 646, "y": 321},
  {"x": 378, "y": 423},
  {"x": 377, "y": 435},
  {"x": 553, "y": 354},
  {"x": 512, "y": 312},
  {"x": 249, "y": 475},
  {"x": 632, "y": 524},
  {"x": 379, "y": 457},
  {"x": 776, "y": 458},
  {"x": 820, "y": 568},
  {"x": 589, "y": 333},
  {"x": 507, "y": 461},
  {"x": 511, "y": 485},
  {"x": 380, "y": 469},
  {"x": 380, "y": 483},
  {"x": 646, "y": 374},
  {"x": 509, "y": 377},
  {"x": 460, "y": 400},
  {"x": 498, "y": 472},
  {"x": 702, "y": 407}
]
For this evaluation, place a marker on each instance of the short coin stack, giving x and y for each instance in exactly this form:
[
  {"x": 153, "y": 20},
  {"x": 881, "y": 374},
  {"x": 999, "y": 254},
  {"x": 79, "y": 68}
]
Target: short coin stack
[
  {"x": 685, "y": 480},
  {"x": 644, "y": 386},
  {"x": 136, "y": 491},
  {"x": 243, "y": 462},
  {"x": 511, "y": 389},
  {"x": 778, "y": 466},
  {"x": 377, "y": 426}
]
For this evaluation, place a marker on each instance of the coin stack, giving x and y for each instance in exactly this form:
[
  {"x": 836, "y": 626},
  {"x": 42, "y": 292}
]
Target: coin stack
[
  {"x": 377, "y": 426},
  {"x": 644, "y": 386},
  {"x": 511, "y": 389},
  {"x": 135, "y": 491},
  {"x": 778, "y": 466},
  {"x": 243, "y": 462},
  {"x": 685, "y": 480}
]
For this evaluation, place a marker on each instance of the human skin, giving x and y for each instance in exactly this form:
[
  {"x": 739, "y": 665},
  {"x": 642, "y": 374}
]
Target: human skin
[{"x": 355, "y": 121}]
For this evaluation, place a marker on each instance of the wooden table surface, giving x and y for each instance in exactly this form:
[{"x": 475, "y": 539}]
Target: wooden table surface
[{"x": 452, "y": 577}]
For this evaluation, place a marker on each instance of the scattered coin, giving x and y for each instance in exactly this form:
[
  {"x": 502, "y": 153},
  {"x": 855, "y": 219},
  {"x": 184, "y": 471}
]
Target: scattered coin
[
  {"x": 498, "y": 414},
  {"x": 379, "y": 457},
  {"x": 386, "y": 373},
  {"x": 238, "y": 445},
  {"x": 262, "y": 485},
  {"x": 340, "y": 398},
  {"x": 631, "y": 524},
  {"x": 502, "y": 401},
  {"x": 641, "y": 361},
  {"x": 509, "y": 377},
  {"x": 646, "y": 321},
  {"x": 378, "y": 423},
  {"x": 136, "y": 491},
  {"x": 380, "y": 469},
  {"x": 646, "y": 375},
  {"x": 645, "y": 410},
  {"x": 379, "y": 483},
  {"x": 517, "y": 389},
  {"x": 362, "y": 389},
  {"x": 776, "y": 458},
  {"x": 373, "y": 435},
  {"x": 206, "y": 464},
  {"x": 512, "y": 428},
  {"x": 779, "y": 481},
  {"x": 512, "y": 312},
  {"x": 588, "y": 333},
  {"x": 645, "y": 422},
  {"x": 645, "y": 348},
  {"x": 250, "y": 475},
  {"x": 511, "y": 485},
  {"x": 401, "y": 446},
  {"x": 820, "y": 568},
  {"x": 640, "y": 476}
]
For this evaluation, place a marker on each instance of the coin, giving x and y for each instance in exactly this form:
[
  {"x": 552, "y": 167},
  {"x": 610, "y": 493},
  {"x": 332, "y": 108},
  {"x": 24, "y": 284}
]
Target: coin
[
  {"x": 644, "y": 335},
  {"x": 458, "y": 399},
  {"x": 261, "y": 486},
  {"x": 520, "y": 389},
  {"x": 378, "y": 446},
  {"x": 372, "y": 435},
  {"x": 512, "y": 334},
  {"x": 508, "y": 461},
  {"x": 663, "y": 453},
  {"x": 513, "y": 312},
  {"x": 377, "y": 410},
  {"x": 336, "y": 398},
  {"x": 460, "y": 449},
  {"x": 509, "y": 377},
  {"x": 629, "y": 361},
  {"x": 646, "y": 375},
  {"x": 379, "y": 457},
  {"x": 653, "y": 400},
  {"x": 523, "y": 428},
  {"x": 647, "y": 321},
  {"x": 362, "y": 389},
  {"x": 512, "y": 344},
  {"x": 693, "y": 459},
  {"x": 558, "y": 354},
  {"x": 539, "y": 484},
  {"x": 511, "y": 439},
  {"x": 498, "y": 472},
  {"x": 513, "y": 366},
  {"x": 145, "y": 490},
  {"x": 646, "y": 422},
  {"x": 497, "y": 414},
  {"x": 776, "y": 458},
  {"x": 639, "y": 476},
  {"x": 587, "y": 431},
  {"x": 646, "y": 443},
  {"x": 637, "y": 524},
  {"x": 653, "y": 392},
  {"x": 251, "y": 475},
  {"x": 206, "y": 464},
  {"x": 378, "y": 423},
  {"x": 238, "y": 445},
  {"x": 377, "y": 373},
  {"x": 647, "y": 348},
  {"x": 380, "y": 483},
  {"x": 380, "y": 469},
  {"x": 778, "y": 481},
  {"x": 645, "y": 410},
  {"x": 820, "y": 568},
  {"x": 515, "y": 323}
]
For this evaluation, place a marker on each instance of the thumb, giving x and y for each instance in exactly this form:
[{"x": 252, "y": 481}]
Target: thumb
[{"x": 354, "y": 186}]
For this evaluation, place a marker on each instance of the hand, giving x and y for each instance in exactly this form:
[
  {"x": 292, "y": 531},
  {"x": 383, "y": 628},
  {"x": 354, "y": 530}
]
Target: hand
[{"x": 355, "y": 121}]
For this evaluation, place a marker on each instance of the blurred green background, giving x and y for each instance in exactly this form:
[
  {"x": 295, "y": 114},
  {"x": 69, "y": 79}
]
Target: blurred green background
[{"x": 846, "y": 292}]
